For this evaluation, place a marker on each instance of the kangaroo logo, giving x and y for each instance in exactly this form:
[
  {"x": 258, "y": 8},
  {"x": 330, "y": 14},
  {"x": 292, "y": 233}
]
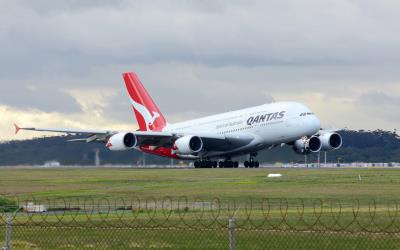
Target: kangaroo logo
[{"x": 147, "y": 116}]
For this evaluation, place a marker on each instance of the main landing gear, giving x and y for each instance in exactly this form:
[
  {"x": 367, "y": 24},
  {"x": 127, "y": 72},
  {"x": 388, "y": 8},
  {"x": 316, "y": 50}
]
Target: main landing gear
[
  {"x": 215, "y": 164},
  {"x": 228, "y": 163},
  {"x": 251, "y": 163}
]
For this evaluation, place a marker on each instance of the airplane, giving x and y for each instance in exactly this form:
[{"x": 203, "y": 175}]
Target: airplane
[{"x": 212, "y": 141}]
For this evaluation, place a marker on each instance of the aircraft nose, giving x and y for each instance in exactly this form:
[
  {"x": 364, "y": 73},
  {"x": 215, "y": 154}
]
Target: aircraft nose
[{"x": 311, "y": 125}]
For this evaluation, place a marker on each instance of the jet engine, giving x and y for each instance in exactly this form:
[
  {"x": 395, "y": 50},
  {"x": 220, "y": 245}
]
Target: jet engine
[
  {"x": 330, "y": 141},
  {"x": 188, "y": 145},
  {"x": 307, "y": 145},
  {"x": 121, "y": 141}
]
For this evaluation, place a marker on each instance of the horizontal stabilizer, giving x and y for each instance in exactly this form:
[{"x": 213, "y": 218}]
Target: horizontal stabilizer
[{"x": 17, "y": 128}]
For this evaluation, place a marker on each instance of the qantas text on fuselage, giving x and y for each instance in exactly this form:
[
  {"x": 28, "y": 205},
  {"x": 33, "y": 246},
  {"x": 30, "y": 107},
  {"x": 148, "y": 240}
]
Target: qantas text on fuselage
[
  {"x": 214, "y": 140},
  {"x": 266, "y": 117}
]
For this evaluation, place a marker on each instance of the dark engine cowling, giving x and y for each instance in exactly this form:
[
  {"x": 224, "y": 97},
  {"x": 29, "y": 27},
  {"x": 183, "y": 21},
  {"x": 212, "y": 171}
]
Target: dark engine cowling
[
  {"x": 121, "y": 141},
  {"x": 188, "y": 145},
  {"x": 330, "y": 141},
  {"x": 307, "y": 145}
]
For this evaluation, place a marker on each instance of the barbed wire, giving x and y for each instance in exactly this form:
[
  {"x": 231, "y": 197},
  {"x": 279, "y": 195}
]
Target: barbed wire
[{"x": 250, "y": 213}]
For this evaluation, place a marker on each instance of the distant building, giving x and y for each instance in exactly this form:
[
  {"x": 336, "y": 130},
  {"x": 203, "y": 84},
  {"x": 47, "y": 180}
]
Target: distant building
[
  {"x": 33, "y": 208},
  {"x": 50, "y": 164}
]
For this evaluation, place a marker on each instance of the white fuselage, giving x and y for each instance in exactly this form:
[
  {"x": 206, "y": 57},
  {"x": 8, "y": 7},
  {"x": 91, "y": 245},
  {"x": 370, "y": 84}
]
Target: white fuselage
[{"x": 270, "y": 125}]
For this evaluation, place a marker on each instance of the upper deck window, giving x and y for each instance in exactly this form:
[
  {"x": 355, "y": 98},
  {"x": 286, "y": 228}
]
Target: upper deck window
[{"x": 306, "y": 113}]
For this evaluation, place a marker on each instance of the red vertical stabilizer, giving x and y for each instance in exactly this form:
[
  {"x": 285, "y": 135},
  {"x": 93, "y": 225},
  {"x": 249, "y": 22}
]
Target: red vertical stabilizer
[{"x": 147, "y": 113}]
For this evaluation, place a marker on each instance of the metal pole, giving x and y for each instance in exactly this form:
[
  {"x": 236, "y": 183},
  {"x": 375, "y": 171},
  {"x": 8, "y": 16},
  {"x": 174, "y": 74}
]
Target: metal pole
[
  {"x": 305, "y": 160},
  {"x": 325, "y": 158},
  {"x": 231, "y": 227},
  {"x": 8, "y": 232},
  {"x": 96, "y": 157}
]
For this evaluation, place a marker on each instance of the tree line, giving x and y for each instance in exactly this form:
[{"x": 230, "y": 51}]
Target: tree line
[{"x": 358, "y": 146}]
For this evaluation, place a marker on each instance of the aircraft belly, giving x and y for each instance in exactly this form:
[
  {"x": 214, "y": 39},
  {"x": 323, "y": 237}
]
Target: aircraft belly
[{"x": 255, "y": 144}]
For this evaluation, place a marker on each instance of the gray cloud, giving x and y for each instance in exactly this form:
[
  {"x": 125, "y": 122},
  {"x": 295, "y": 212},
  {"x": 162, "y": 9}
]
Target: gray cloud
[
  {"x": 377, "y": 98},
  {"x": 212, "y": 33},
  {"x": 45, "y": 98},
  {"x": 200, "y": 57},
  {"x": 378, "y": 105},
  {"x": 49, "y": 7}
]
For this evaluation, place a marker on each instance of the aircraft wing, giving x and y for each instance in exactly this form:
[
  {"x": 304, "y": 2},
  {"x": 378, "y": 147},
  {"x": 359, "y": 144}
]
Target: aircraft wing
[
  {"x": 212, "y": 142},
  {"x": 63, "y": 130},
  {"x": 151, "y": 138},
  {"x": 144, "y": 137},
  {"x": 90, "y": 135}
]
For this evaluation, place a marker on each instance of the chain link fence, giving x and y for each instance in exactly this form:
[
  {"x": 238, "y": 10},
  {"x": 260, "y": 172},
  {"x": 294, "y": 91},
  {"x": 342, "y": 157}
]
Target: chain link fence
[{"x": 182, "y": 223}]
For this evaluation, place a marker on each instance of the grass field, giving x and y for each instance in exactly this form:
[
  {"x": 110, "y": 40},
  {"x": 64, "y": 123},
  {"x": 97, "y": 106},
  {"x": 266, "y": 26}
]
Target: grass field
[
  {"x": 157, "y": 228},
  {"x": 379, "y": 184}
]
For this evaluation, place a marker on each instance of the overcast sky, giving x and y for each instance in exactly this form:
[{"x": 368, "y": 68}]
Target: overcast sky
[{"x": 61, "y": 61}]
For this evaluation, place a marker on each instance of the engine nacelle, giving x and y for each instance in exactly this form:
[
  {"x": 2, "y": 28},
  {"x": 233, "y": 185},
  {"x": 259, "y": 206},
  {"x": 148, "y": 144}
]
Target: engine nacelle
[
  {"x": 305, "y": 146},
  {"x": 188, "y": 145},
  {"x": 121, "y": 141},
  {"x": 330, "y": 141}
]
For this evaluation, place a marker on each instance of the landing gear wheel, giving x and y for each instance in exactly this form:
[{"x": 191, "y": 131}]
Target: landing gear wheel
[
  {"x": 226, "y": 164},
  {"x": 205, "y": 164},
  {"x": 251, "y": 164}
]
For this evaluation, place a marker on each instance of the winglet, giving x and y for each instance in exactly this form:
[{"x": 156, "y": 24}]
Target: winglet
[{"x": 17, "y": 128}]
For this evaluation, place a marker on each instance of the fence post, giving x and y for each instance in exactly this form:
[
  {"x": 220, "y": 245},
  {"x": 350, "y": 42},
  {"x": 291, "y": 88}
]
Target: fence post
[
  {"x": 231, "y": 227},
  {"x": 8, "y": 232}
]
